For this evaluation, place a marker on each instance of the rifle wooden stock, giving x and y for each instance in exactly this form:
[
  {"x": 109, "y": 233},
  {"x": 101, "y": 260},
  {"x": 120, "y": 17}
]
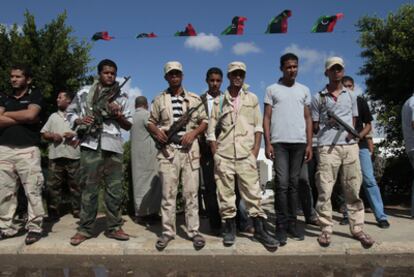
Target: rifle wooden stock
[{"x": 175, "y": 128}]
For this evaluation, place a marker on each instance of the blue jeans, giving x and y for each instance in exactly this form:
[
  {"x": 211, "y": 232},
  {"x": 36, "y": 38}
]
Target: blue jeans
[{"x": 370, "y": 185}]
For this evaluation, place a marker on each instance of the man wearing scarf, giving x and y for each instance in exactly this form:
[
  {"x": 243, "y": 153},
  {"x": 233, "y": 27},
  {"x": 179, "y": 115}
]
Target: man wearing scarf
[{"x": 98, "y": 114}]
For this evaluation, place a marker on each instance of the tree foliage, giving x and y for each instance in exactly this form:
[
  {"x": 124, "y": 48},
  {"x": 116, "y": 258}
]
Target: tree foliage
[
  {"x": 58, "y": 60},
  {"x": 388, "y": 53}
]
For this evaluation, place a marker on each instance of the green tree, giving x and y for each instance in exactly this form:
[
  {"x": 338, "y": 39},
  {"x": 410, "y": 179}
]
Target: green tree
[
  {"x": 58, "y": 60},
  {"x": 388, "y": 53}
]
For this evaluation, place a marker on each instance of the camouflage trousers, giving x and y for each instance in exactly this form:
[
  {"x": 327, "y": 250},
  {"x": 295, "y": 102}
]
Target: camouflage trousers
[
  {"x": 170, "y": 170},
  {"x": 20, "y": 165},
  {"x": 343, "y": 159},
  {"x": 245, "y": 170},
  {"x": 63, "y": 171},
  {"x": 97, "y": 167}
]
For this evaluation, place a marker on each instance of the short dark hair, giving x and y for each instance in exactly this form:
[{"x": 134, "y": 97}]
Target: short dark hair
[
  {"x": 106, "y": 62},
  {"x": 288, "y": 57},
  {"x": 348, "y": 78},
  {"x": 214, "y": 70},
  {"x": 68, "y": 94},
  {"x": 141, "y": 101},
  {"x": 27, "y": 71}
]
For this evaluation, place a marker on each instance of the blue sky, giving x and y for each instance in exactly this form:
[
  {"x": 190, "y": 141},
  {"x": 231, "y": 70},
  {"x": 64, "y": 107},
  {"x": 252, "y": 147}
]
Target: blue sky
[{"x": 144, "y": 59}]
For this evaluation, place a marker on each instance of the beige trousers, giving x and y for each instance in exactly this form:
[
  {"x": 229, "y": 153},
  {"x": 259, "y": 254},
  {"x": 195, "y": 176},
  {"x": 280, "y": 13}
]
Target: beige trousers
[
  {"x": 170, "y": 170},
  {"x": 245, "y": 170},
  {"x": 24, "y": 164},
  {"x": 343, "y": 158}
]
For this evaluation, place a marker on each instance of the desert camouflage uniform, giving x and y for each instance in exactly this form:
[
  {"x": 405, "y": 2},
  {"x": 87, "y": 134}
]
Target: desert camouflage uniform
[
  {"x": 184, "y": 160},
  {"x": 234, "y": 157}
]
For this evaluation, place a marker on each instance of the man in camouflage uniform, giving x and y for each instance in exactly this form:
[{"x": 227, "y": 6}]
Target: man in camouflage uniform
[
  {"x": 98, "y": 114},
  {"x": 235, "y": 150},
  {"x": 64, "y": 159},
  {"x": 20, "y": 155},
  {"x": 180, "y": 156}
]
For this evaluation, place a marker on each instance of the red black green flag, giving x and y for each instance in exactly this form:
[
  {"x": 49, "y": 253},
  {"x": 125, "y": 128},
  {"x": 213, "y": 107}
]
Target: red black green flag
[
  {"x": 326, "y": 24},
  {"x": 279, "y": 24},
  {"x": 236, "y": 27},
  {"x": 188, "y": 32},
  {"x": 102, "y": 36},
  {"x": 147, "y": 35}
]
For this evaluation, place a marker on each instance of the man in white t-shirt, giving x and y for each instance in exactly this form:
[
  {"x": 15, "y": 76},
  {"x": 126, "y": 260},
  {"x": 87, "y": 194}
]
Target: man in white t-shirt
[{"x": 287, "y": 125}]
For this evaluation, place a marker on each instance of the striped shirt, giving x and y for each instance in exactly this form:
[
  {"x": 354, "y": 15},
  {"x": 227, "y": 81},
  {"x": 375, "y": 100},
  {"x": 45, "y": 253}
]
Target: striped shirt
[{"x": 177, "y": 107}]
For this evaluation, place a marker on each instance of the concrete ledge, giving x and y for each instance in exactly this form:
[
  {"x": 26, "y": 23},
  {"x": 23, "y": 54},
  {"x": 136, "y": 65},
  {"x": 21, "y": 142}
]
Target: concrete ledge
[{"x": 392, "y": 244}]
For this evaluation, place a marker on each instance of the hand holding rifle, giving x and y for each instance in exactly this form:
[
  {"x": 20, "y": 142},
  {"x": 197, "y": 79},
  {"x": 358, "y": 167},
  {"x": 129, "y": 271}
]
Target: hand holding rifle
[{"x": 352, "y": 133}]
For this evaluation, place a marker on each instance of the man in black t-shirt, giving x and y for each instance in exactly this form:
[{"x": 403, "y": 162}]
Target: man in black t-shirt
[
  {"x": 363, "y": 126},
  {"x": 20, "y": 155}
]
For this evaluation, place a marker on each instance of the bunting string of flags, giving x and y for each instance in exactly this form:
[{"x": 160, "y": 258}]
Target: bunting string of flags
[
  {"x": 236, "y": 27},
  {"x": 326, "y": 24},
  {"x": 188, "y": 32},
  {"x": 278, "y": 25}
]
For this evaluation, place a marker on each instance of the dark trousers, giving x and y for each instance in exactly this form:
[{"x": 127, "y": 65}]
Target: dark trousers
[
  {"x": 305, "y": 191},
  {"x": 288, "y": 162},
  {"x": 63, "y": 171},
  {"x": 209, "y": 192}
]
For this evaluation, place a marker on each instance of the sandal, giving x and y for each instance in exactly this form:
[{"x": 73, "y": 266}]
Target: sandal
[
  {"x": 324, "y": 239},
  {"x": 77, "y": 239},
  {"x": 32, "y": 237},
  {"x": 162, "y": 242},
  {"x": 198, "y": 241},
  {"x": 365, "y": 240}
]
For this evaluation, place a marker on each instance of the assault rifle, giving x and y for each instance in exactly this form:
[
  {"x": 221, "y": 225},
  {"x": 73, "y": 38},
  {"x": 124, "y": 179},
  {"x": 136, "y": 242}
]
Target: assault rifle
[
  {"x": 117, "y": 91},
  {"x": 176, "y": 127},
  {"x": 343, "y": 124},
  {"x": 100, "y": 113}
]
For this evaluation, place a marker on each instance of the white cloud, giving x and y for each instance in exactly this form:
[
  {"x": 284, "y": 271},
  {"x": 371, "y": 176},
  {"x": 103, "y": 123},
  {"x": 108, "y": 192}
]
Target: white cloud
[
  {"x": 10, "y": 27},
  {"x": 309, "y": 59},
  {"x": 203, "y": 42},
  {"x": 244, "y": 48}
]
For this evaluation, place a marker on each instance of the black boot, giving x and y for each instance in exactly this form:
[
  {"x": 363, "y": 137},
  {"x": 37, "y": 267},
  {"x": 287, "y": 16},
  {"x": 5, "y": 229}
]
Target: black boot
[
  {"x": 261, "y": 235},
  {"x": 294, "y": 232},
  {"x": 229, "y": 234},
  {"x": 53, "y": 215},
  {"x": 281, "y": 234}
]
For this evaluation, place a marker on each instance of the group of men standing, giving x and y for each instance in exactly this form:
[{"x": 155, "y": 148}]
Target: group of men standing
[{"x": 219, "y": 132}]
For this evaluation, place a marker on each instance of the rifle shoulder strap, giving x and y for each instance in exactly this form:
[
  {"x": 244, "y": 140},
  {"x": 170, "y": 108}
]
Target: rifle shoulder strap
[
  {"x": 221, "y": 104},
  {"x": 322, "y": 100}
]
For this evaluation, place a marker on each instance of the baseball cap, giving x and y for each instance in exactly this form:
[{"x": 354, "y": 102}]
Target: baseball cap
[
  {"x": 173, "y": 65},
  {"x": 236, "y": 66},
  {"x": 333, "y": 61}
]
